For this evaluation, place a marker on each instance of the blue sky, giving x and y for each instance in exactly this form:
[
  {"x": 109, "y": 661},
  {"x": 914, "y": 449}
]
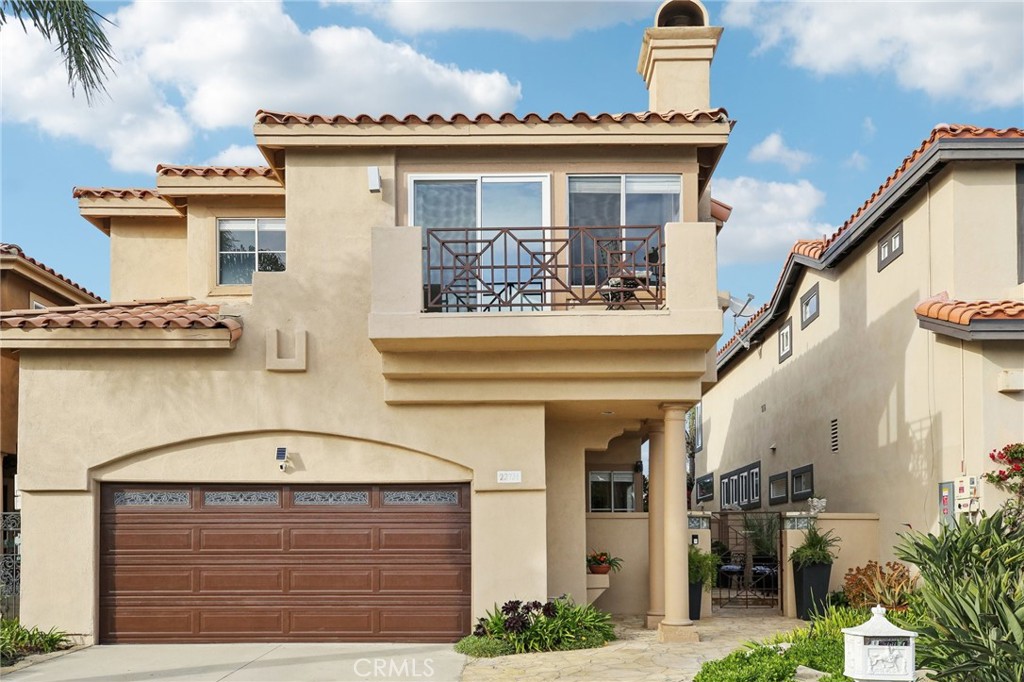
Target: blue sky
[{"x": 828, "y": 97}]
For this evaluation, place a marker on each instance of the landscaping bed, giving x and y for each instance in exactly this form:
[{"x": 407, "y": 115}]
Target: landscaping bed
[
  {"x": 520, "y": 627},
  {"x": 18, "y": 641}
]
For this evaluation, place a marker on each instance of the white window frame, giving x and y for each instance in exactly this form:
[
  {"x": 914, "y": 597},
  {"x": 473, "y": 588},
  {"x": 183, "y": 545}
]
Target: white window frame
[
  {"x": 744, "y": 488},
  {"x": 890, "y": 246},
  {"x": 755, "y": 485},
  {"x": 256, "y": 231},
  {"x": 611, "y": 490},
  {"x": 812, "y": 294},
  {"x": 622, "y": 193},
  {"x": 786, "y": 339}
]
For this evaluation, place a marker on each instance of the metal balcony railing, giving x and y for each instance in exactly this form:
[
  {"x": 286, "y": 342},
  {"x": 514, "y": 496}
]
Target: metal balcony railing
[{"x": 534, "y": 268}]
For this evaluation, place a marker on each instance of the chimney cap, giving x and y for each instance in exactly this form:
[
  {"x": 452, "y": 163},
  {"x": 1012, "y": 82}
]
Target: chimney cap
[{"x": 675, "y": 13}]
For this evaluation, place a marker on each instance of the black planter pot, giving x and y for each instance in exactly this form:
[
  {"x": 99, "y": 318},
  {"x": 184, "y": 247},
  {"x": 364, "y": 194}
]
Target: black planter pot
[
  {"x": 696, "y": 590},
  {"x": 811, "y": 586}
]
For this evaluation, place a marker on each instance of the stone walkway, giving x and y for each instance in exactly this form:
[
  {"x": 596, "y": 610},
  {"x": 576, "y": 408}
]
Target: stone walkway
[{"x": 637, "y": 656}]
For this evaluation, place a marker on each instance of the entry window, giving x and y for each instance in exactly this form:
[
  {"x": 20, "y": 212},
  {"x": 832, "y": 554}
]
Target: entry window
[
  {"x": 248, "y": 245},
  {"x": 613, "y": 207},
  {"x": 803, "y": 482},
  {"x": 612, "y": 491},
  {"x": 890, "y": 247}
]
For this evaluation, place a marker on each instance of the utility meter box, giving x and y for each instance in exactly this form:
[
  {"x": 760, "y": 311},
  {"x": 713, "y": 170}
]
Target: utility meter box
[{"x": 965, "y": 491}]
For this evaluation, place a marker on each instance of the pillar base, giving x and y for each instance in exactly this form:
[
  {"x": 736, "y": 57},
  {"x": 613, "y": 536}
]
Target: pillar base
[
  {"x": 653, "y": 620},
  {"x": 671, "y": 634}
]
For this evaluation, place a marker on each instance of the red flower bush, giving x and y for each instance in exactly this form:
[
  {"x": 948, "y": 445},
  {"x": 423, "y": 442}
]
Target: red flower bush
[{"x": 1010, "y": 477}]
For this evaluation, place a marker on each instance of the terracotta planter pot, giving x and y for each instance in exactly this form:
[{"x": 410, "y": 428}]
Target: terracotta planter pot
[{"x": 600, "y": 570}]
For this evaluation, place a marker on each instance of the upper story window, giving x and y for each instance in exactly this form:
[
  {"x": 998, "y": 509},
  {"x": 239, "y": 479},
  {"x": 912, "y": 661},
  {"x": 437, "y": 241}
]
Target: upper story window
[
  {"x": 890, "y": 247},
  {"x": 786, "y": 340},
  {"x": 742, "y": 487},
  {"x": 618, "y": 206},
  {"x": 802, "y": 483},
  {"x": 809, "y": 306},
  {"x": 695, "y": 428},
  {"x": 246, "y": 245},
  {"x": 612, "y": 491},
  {"x": 705, "y": 486}
]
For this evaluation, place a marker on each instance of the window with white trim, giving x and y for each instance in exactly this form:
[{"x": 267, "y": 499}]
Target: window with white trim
[
  {"x": 248, "y": 245},
  {"x": 890, "y": 247},
  {"x": 786, "y": 340},
  {"x": 694, "y": 427},
  {"x": 617, "y": 205},
  {"x": 742, "y": 487},
  {"x": 612, "y": 491}
]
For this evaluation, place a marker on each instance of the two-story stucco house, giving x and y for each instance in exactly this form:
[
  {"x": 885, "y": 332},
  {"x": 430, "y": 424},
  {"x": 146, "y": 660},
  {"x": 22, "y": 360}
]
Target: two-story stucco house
[
  {"x": 347, "y": 396},
  {"x": 890, "y": 359}
]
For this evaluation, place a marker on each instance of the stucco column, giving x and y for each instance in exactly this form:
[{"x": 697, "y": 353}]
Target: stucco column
[
  {"x": 676, "y": 626},
  {"x": 656, "y": 523}
]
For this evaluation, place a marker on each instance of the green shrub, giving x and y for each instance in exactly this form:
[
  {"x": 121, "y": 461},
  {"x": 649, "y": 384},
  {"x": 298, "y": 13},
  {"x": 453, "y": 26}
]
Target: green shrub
[
  {"x": 17, "y": 641},
  {"x": 816, "y": 548},
  {"x": 483, "y": 647},
  {"x": 972, "y": 621},
  {"x": 702, "y": 567},
  {"x": 772, "y": 663},
  {"x": 558, "y": 625}
]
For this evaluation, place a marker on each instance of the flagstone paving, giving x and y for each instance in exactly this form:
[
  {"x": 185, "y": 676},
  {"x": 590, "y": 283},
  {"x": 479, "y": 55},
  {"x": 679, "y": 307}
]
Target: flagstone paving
[{"x": 637, "y": 656}]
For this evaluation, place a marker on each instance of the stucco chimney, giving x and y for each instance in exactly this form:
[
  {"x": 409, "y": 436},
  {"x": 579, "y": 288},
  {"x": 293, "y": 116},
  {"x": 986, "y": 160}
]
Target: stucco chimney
[{"x": 675, "y": 58}]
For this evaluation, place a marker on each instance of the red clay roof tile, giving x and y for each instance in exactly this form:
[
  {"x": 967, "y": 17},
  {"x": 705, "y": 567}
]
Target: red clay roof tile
[
  {"x": 944, "y": 309},
  {"x": 286, "y": 118},
  {"x": 162, "y": 313},
  {"x": 114, "y": 193},
  {"x": 221, "y": 171},
  {"x": 15, "y": 250}
]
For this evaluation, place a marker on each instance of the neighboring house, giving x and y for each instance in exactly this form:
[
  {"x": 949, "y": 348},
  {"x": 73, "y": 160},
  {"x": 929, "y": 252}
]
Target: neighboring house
[
  {"x": 25, "y": 284},
  {"x": 357, "y": 403},
  {"x": 890, "y": 359}
]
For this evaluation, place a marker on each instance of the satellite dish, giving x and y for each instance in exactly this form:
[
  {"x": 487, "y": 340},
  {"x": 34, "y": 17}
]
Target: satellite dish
[{"x": 737, "y": 306}]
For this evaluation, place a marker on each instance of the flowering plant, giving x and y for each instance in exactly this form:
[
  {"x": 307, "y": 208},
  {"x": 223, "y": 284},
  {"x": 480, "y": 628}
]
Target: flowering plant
[
  {"x": 1010, "y": 478},
  {"x": 604, "y": 559}
]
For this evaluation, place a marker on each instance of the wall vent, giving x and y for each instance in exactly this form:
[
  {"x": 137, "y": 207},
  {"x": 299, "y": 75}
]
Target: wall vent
[{"x": 834, "y": 435}]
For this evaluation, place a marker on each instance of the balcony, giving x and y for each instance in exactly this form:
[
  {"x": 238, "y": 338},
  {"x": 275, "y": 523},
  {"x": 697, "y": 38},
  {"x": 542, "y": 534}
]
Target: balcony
[
  {"x": 470, "y": 270},
  {"x": 565, "y": 289}
]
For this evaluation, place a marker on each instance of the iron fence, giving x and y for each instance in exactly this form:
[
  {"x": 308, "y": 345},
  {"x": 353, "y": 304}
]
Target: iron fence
[
  {"x": 10, "y": 563},
  {"x": 534, "y": 268}
]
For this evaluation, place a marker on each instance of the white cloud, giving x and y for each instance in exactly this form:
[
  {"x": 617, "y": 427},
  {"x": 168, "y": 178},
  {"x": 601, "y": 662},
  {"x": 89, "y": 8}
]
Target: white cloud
[
  {"x": 773, "y": 149},
  {"x": 856, "y": 160},
  {"x": 767, "y": 218},
  {"x": 868, "y": 128},
  {"x": 190, "y": 66},
  {"x": 529, "y": 18},
  {"x": 948, "y": 50},
  {"x": 237, "y": 155}
]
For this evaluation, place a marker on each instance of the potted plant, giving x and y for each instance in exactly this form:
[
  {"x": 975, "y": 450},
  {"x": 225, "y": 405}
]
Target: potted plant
[
  {"x": 812, "y": 567},
  {"x": 703, "y": 568},
  {"x": 603, "y": 562}
]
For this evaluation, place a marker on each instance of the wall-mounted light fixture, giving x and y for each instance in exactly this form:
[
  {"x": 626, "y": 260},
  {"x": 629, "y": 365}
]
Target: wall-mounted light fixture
[
  {"x": 373, "y": 178},
  {"x": 282, "y": 459}
]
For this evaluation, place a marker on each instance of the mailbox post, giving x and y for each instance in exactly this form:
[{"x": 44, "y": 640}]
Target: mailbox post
[{"x": 878, "y": 651}]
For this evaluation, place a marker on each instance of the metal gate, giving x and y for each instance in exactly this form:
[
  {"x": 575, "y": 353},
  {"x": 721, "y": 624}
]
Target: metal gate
[
  {"x": 10, "y": 564},
  {"x": 749, "y": 547}
]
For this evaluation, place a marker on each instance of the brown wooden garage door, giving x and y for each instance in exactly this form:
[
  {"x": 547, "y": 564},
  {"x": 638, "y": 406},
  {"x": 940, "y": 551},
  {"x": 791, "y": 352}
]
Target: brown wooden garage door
[{"x": 223, "y": 563}]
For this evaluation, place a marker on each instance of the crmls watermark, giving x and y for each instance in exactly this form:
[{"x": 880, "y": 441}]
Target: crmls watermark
[{"x": 383, "y": 668}]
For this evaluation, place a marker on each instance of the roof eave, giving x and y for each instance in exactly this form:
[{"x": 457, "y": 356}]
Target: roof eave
[
  {"x": 31, "y": 271},
  {"x": 94, "y": 338},
  {"x": 976, "y": 330}
]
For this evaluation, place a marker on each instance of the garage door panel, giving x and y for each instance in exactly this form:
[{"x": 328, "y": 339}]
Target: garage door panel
[
  {"x": 423, "y": 539},
  {"x": 424, "y": 579},
  {"x": 146, "y": 579},
  {"x": 336, "y": 580},
  {"x": 250, "y": 563},
  {"x": 255, "y": 539},
  {"x": 241, "y": 621},
  {"x": 241, "y": 580},
  {"x": 331, "y": 621},
  {"x": 321, "y": 539},
  {"x": 143, "y": 539}
]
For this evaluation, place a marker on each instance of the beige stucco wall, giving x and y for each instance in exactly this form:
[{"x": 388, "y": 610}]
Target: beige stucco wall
[
  {"x": 914, "y": 408},
  {"x": 148, "y": 258}
]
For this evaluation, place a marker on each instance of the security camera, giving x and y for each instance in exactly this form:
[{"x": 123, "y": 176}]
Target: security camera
[{"x": 283, "y": 465}]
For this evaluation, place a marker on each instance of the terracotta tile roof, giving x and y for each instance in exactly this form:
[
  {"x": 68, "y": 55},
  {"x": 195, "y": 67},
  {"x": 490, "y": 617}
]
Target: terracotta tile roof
[
  {"x": 286, "y": 118},
  {"x": 162, "y": 313},
  {"x": 942, "y": 131},
  {"x": 114, "y": 193},
  {"x": 15, "y": 250},
  {"x": 944, "y": 309},
  {"x": 816, "y": 248},
  {"x": 222, "y": 171}
]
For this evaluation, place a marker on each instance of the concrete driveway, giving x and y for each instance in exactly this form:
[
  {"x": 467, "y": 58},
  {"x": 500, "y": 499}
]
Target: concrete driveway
[{"x": 250, "y": 663}]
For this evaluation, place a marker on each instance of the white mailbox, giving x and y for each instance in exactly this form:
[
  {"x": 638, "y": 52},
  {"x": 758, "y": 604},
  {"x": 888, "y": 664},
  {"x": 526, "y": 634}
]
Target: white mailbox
[{"x": 878, "y": 651}]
